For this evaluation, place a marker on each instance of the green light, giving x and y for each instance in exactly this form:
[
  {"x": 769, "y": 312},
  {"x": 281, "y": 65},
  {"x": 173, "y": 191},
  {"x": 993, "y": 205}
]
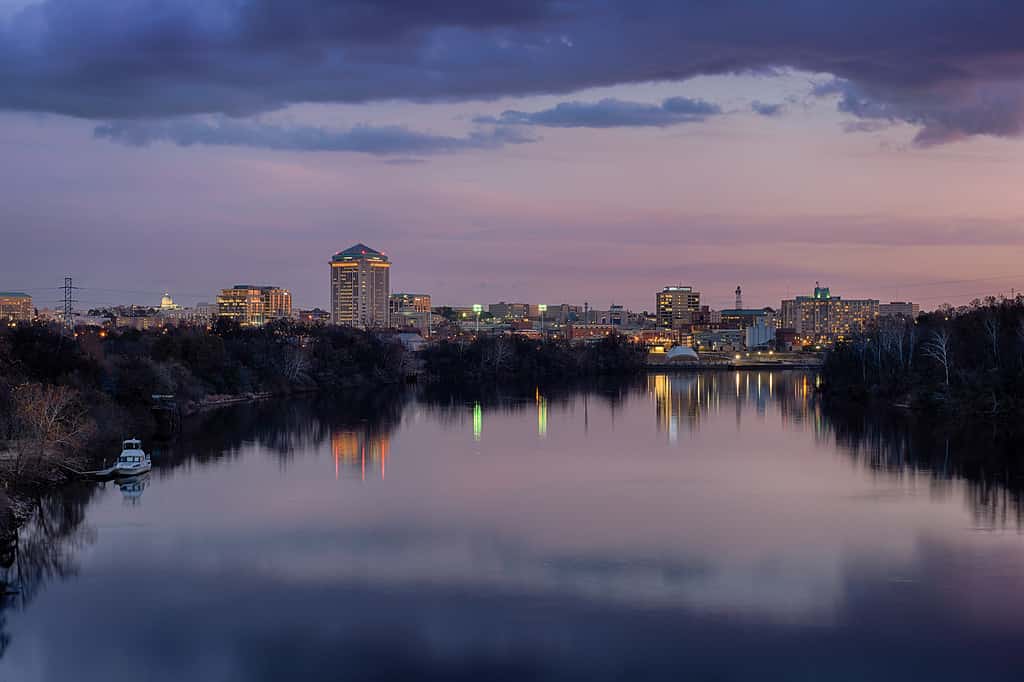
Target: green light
[
  {"x": 543, "y": 307},
  {"x": 477, "y": 308},
  {"x": 542, "y": 417},
  {"x": 478, "y": 421}
]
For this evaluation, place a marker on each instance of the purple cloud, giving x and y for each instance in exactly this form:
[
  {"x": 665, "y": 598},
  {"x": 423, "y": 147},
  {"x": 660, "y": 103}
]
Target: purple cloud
[
  {"x": 953, "y": 68},
  {"x": 765, "y": 109},
  {"x": 364, "y": 139},
  {"x": 611, "y": 113}
]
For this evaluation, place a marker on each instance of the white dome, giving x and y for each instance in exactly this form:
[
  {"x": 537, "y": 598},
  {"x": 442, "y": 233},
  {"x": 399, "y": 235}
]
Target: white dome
[{"x": 681, "y": 353}]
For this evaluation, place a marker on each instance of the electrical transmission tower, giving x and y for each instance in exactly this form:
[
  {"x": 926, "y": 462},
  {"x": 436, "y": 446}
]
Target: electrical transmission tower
[{"x": 69, "y": 314}]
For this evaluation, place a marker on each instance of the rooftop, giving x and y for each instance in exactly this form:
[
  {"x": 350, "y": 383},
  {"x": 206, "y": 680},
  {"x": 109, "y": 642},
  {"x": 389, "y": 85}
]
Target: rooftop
[
  {"x": 13, "y": 294},
  {"x": 747, "y": 311},
  {"x": 359, "y": 251}
]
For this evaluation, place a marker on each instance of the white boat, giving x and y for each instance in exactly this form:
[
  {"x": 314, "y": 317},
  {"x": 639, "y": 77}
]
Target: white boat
[{"x": 133, "y": 460}]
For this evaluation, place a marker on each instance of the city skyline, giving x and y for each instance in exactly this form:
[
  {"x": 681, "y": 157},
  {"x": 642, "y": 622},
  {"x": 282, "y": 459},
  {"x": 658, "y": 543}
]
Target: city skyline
[{"x": 880, "y": 166}]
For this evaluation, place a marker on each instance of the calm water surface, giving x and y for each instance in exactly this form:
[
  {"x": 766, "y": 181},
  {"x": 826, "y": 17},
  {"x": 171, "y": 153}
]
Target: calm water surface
[{"x": 711, "y": 527}]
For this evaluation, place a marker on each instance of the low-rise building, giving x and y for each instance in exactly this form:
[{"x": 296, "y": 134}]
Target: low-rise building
[
  {"x": 205, "y": 311},
  {"x": 313, "y": 316},
  {"x": 903, "y": 309},
  {"x": 140, "y": 322},
  {"x": 741, "y": 318},
  {"x": 254, "y": 305},
  {"x": 15, "y": 306},
  {"x": 411, "y": 311},
  {"x": 577, "y": 332},
  {"x": 719, "y": 340}
]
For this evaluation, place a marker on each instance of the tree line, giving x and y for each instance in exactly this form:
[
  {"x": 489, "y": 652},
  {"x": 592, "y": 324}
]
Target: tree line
[
  {"x": 61, "y": 396},
  {"x": 514, "y": 358},
  {"x": 964, "y": 363}
]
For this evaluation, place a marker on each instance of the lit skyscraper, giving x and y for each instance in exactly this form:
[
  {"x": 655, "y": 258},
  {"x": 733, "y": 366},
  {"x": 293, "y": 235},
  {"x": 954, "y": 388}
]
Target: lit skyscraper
[{"x": 360, "y": 287}]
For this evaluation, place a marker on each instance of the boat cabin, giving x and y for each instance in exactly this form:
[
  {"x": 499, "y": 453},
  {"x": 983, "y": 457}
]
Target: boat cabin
[{"x": 131, "y": 452}]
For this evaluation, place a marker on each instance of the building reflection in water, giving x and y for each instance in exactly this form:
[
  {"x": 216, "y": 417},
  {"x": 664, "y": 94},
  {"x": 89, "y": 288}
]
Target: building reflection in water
[
  {"x": 683, "y": 401},
  {"x": 478, "y": 421},
  {"x": 356, "y": 450}
]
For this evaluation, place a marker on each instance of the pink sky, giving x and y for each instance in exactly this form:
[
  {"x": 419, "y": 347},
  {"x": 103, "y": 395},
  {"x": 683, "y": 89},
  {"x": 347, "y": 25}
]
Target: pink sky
[{"x": 603, "y": 215}]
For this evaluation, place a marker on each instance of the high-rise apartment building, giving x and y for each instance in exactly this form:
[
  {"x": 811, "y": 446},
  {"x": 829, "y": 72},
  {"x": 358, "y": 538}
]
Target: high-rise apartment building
[
  {"x": 360, "y": 287},
  {"x": 252, "y": 306},
  {"x": 824, "y": 317},
  {"x": 15, "y": 306},
  {"x": 674, "y": 305}
]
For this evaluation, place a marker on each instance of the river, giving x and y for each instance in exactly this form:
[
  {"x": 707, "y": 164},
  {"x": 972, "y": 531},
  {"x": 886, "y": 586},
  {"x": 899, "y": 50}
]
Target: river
[{"x": 716, "y": 526}]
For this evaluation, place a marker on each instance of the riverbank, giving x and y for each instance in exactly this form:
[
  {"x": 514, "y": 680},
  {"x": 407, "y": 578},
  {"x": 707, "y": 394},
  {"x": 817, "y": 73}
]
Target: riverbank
[{"x": 731, "y": 366}]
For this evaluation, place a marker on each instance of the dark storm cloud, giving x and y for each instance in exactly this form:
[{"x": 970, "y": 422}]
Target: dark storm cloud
[
  {"x": 366, "y": 139},
  {"x": 611, "y": 113},
  {"x": 951, "y": 68},
  {"x": 765, "y": 109}
]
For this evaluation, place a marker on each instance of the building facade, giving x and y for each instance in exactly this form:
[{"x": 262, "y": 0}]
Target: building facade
[
  {"x": 904, "y": 309},
  {"x": 411, "y": 311},
  {"x": 360, "y": 287},
  {"x": 15, "y": 306},
  {"x": 252, "y": 306},
  {"x": 827, "y": 318},
  {"x": 741, "y": 318},
  {"x": 673, "y": 305}
]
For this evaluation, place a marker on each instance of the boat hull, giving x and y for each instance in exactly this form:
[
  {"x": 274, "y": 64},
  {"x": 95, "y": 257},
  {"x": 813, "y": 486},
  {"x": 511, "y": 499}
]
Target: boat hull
[{"x": 130, "y": 471}]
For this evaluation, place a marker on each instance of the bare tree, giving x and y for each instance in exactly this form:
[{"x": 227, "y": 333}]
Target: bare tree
[
  {"x": 501, "y": 354},
  {"x": 911, "y": 344},
  {"x": 1020, "y": 333},
  {"x": 992, "y": 332},
  {"x": 938, "y": 348},
  {"x": 51, "y": 422}
]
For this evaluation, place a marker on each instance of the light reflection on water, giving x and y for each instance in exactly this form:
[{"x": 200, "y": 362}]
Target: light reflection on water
[{"x": 714, "y": 526}]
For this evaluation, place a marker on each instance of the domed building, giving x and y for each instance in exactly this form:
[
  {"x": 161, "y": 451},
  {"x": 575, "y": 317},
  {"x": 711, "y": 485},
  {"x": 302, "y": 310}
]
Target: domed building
[{"x": 167, "y": 303}]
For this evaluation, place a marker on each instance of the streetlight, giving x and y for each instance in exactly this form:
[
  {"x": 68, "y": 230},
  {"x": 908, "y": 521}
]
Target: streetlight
[{"x": 477, "y": 309}]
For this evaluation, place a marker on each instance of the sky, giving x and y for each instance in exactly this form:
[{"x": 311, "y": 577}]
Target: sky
[{"x": 541, "y": 151}]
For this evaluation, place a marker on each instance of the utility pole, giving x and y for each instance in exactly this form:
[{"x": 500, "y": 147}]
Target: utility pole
[{"x": 68, "y": 328}]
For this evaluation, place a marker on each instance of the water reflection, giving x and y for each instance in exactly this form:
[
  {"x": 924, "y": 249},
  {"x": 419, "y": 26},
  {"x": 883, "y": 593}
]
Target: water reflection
[
  {"x": 354, "y": 450},
  {"x": 721, "y": 525},
  {"x": 132, "y": 488}
]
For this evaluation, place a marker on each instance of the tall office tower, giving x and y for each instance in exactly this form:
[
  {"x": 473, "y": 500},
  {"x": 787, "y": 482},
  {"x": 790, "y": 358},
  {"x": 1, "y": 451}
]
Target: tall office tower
[
  {"x": 675, "y": 304},
  {"x": 739, "y": 297},
  {"x": 360, "y": 287}
]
